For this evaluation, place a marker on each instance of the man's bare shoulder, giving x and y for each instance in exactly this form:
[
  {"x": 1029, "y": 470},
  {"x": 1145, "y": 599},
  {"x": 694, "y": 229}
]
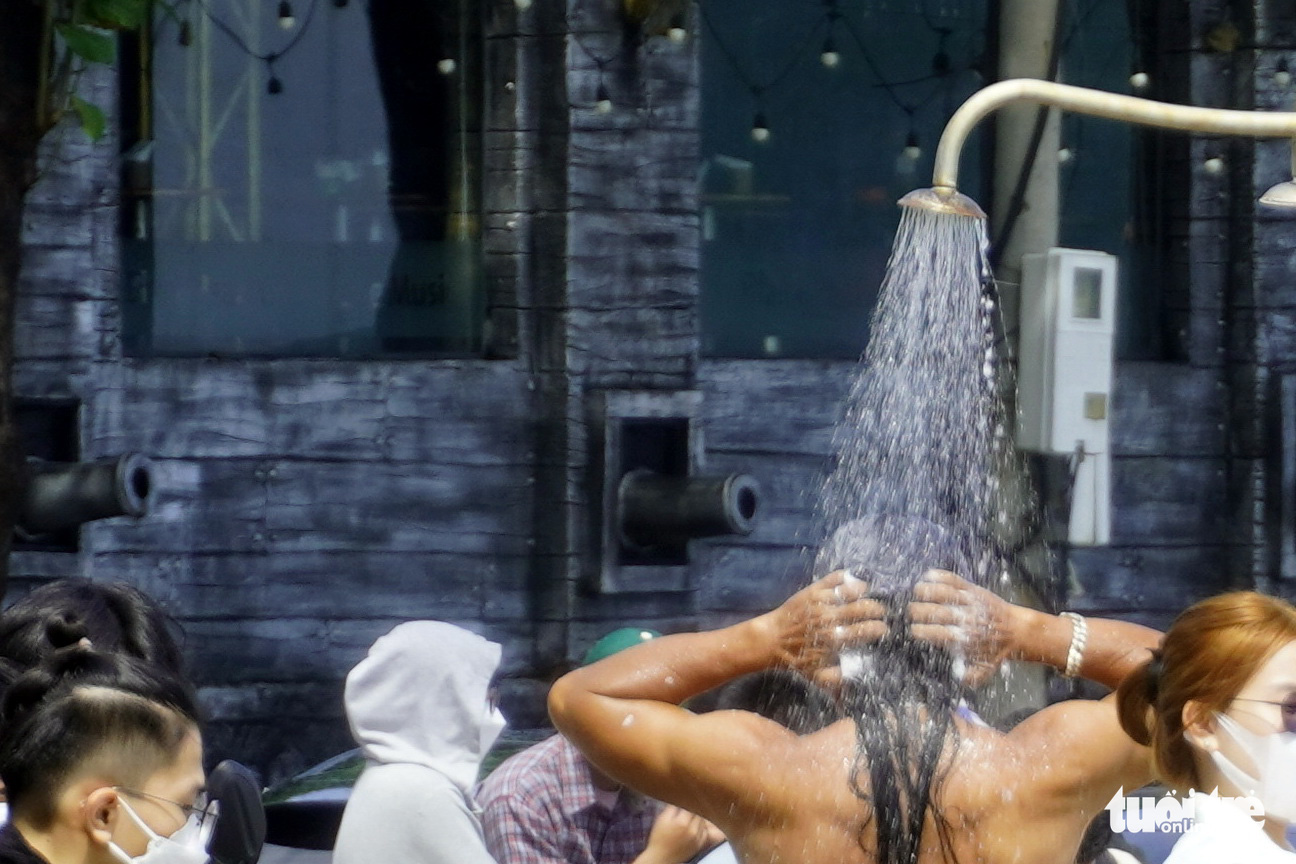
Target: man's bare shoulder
[
  {"x": 745, "y": 731},
  {"x": 1075, "y": 749},
  {"x": 740, "y": 748}
]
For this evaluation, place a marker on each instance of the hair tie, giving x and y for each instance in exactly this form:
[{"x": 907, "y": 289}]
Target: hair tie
[
  {"x": 63, "y": 629},
  {"x": 1152, "y": 673}
]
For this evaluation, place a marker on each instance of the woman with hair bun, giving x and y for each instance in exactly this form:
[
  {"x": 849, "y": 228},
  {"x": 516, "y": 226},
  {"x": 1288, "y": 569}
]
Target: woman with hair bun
[{"x": 1217, "y": 707}]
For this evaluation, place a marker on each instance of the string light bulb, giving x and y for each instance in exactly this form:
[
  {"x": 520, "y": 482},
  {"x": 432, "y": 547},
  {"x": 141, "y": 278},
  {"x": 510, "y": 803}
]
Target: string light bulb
[
  {"x": 829, "y": 57},
  {"x": 274, "y": 86},
  {"x": 286, "y": 18},
  {"x": 1214, "y": 165},
  {"x": 602, "y": 99},
  {"x": 677, "y": 32},
  {"x": 185, "y": 37},
  {"x": 1064, "y": 155},
  {"x": 1140, "y": 80},
  {"x": 912, "y": 150},
  {"x": 1282, "y": 75},
  {"x": 446, "y": 66},
  {"x": 522, "y": 5},
  {"x": 760, "y": 131}
]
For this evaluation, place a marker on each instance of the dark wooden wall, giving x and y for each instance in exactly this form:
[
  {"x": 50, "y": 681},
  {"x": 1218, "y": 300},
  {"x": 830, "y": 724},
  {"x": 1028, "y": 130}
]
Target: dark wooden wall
[
  {"x": 303, "y": 507},
  {"x": 1196, "y": 440}
]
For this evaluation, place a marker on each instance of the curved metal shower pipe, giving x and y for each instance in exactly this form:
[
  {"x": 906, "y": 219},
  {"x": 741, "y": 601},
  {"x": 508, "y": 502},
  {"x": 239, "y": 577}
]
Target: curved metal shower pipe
[{"x": 1098, "y": 103}]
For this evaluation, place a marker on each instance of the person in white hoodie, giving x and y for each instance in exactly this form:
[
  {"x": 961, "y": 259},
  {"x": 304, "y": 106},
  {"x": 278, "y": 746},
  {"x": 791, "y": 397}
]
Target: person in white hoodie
[{"x": 418, "y": 706}]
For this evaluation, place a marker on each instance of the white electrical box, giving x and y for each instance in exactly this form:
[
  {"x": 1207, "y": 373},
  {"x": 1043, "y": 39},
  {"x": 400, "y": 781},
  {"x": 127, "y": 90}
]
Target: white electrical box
[{"x": 1064, "y": 377}]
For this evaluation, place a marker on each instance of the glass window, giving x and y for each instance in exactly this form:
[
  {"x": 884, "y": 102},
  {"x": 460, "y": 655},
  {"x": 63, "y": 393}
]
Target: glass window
[
  {"x": 303, "y": 179},
  {"x": 1086, "y": 299},
  {"x": 1097, "y": 173},
  {"x": 797, "y": 227}
]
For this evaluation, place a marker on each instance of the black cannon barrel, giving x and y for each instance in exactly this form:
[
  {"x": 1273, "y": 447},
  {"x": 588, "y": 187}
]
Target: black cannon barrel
[
  {"x": 660, "y": 510},
  {"x": 63, "y": 495}
]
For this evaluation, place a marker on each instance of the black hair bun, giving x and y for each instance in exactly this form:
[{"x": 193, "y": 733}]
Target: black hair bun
[{"x": 63, "y": 629}]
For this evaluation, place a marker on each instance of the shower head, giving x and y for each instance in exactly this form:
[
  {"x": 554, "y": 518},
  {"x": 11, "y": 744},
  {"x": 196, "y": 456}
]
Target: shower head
[
  {"x": 1113, "y": 106},
  {"x": 943, "y": 199},
  {"x": 1281, "y": 195}
]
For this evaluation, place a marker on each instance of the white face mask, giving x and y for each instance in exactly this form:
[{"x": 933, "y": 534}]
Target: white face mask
[
  {"x": 491, "y": 728},
  {"x": 1275, "y": 754},
  {"x": 188, "y": 845}
]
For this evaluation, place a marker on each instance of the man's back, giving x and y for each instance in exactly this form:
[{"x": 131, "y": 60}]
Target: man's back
[{"x": 1022, "y": 797}]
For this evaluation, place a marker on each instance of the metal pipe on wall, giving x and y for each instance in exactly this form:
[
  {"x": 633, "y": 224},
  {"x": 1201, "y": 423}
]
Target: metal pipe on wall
[{"x": 1027, "y": 32}]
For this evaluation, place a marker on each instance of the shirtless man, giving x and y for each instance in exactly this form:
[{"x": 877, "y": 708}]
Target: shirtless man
[{"x": 1024, "y": 797}]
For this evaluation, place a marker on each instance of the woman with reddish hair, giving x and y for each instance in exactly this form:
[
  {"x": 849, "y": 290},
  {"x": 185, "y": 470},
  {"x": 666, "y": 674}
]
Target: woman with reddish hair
[{"x": 1217, "y": 706}]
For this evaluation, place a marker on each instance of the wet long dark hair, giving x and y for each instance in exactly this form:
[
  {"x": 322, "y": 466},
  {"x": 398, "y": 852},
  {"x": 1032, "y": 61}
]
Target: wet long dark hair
[{"x": 900, "y": 692}]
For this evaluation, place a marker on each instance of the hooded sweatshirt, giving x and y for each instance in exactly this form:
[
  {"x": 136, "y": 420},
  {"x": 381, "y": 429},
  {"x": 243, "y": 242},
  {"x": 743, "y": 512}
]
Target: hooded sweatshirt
[{"x": 418, "y": 709}]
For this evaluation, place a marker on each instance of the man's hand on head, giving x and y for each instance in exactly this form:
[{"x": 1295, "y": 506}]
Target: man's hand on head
[
  {"x": 977, "y": 624},
  {"x": 816, "y": 624}
]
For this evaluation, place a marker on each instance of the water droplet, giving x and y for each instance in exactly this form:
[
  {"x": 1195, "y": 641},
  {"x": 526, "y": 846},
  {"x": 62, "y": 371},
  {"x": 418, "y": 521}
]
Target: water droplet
[{"x": 628, "y": 721}]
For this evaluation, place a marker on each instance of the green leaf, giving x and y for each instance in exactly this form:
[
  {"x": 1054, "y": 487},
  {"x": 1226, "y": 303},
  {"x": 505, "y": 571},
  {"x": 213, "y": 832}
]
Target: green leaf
[
  {"x": 90, "y": 45},
  {"x": 115, "y": 14},
  {"x": 93, "y": 121}
]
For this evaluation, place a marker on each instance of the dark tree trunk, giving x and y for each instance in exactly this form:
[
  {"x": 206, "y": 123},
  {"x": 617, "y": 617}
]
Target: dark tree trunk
[{"x": 20, "y": 134}]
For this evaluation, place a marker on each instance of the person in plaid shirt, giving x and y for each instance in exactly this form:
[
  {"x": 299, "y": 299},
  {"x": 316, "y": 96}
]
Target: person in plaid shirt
[{"x": 549, "y": 805}]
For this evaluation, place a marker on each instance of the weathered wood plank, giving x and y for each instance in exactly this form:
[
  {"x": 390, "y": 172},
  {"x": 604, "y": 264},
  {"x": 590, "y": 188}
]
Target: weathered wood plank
[
  {"x": 637, "y": 278},
  {"x": 632, "y": 171},
  {"x": 63, "y": 225},
  {"x": 58, "y": 271},
  {"x": 745, "y": 578},
  {"x": 275, "y": 506},
  {"x": 455, "y": 415},
  {"x": 1275, "y": 340},
  {"x": 480, "y": 508},
  {"x": 1169, "y": 501},
  {"x": 1167, "y": 409},
  {"x": 375, "y": 583},
  {"x": 614, "y": 342},
  {"x": 253, "y": 702},
  {"x": 31, "y": 567},
  {"x": 1274, "y": 265},
  {"x": 58, "y": 327},
  {"x": 304, "y": 650},
  {"x": 1149, "y": 578},
  {"x": 51, "y": 379},
  {"x": 798, "y": 403}
]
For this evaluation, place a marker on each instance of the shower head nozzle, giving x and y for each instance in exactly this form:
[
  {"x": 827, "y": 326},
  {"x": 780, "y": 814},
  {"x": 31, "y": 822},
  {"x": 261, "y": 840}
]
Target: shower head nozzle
[
  {"x": 943, "y": 199},
  {"x": 1281, "y": 195}
]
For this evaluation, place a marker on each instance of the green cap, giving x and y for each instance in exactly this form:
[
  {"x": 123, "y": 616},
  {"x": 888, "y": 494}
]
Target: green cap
[{"x": 617, "y": 640}]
